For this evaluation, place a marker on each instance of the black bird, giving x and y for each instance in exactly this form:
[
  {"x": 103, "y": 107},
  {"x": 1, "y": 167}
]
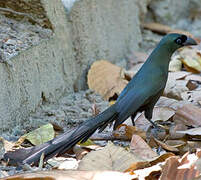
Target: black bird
[{"x": 141, "y": 94}]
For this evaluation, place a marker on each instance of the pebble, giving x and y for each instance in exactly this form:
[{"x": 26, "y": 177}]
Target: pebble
[{"x": 16, "y": 36}]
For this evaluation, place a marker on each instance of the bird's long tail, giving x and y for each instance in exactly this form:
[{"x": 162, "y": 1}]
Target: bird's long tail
[{"x": 63, "y": 142}]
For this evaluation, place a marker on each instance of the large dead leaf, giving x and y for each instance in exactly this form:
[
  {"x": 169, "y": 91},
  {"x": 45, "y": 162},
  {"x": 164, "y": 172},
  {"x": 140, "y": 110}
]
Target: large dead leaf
[
  {"x": 111, "y": 157},
  {"x": 176, "y": 84},
  {"x": 70, "y": 175},
  {"x": 188, "y": 115},
  {"x": 171, "y": 103},
  {"x": 40, "y": 135},
  {"x": 141, "y": 148},
  {"x": 180, "y": 168},
  {"x": 106, "y": 79}
]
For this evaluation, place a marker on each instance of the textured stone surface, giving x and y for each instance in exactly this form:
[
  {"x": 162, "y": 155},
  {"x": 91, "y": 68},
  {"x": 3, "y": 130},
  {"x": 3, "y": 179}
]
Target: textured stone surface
[
  {"x": 41, "y": 72},
  {"x": 180, "y": 14},
  {"x": 106, "y": 29},
  {"x": 91, "y": 30},
  {"x": 169, "y": 11}
]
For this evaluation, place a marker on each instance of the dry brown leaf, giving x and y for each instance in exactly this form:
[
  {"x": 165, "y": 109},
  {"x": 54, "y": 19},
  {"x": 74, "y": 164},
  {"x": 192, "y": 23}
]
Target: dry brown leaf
[
  {"x": 198, "y": 162},
  {"x": 191, "y": 146},
  {"x": 140, "y": 165},
  {"x": 161, "y": 158},
  {"x": 180, "y": 168},
  {"x": 147, "y": 172},
  {"x": 171, "y": 103},
  {"x": 166, "y": 146},
  {"x": 175, "y": 89},
  {"x": 173, "y": 131},
  {"x": 106, "y": 79},
  {"x": 137, "y": 165},
  {"x": 57, "y": 127},
  {"x": 193, "y": 132},
  {"x": 141, "y": 148},
  {"x": 79, "y": 152},
  {"x": 150, "y": 173},
  {"x": 191, "y": 85},
  {"x": 8, "y": 146},
  {"x": 176, "y": 84},
  {"x": 175, "y": 143},
  {"x": 129, "y": 131},
  {"x": 163, "y": 29},
  {"x": 194, "y": 145},
  {"x": 191, "y": 69},
  {"x": 111, "y": 157},
  {"x": 191, "y": 58},
  {"x": 188, "y": 115},
  {"x": 156, "y": 27},
  {"x": 70, "y": 175},
  {"x": 159, "y": 113},
  {"x": 95, "y": 110}
]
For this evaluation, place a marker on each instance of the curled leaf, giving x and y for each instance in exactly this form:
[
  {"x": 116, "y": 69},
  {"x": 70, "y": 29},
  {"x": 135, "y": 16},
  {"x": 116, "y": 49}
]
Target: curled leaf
[{"x": 106, "y": 79}]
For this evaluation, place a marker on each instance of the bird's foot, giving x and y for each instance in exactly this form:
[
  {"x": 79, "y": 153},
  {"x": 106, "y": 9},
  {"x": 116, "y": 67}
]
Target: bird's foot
[
  {"x": 156, "y": 131},
  {"x": 154, "y": 124}
]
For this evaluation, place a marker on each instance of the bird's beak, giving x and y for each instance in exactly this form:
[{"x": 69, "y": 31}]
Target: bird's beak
[{"x": 190, "y": 42}]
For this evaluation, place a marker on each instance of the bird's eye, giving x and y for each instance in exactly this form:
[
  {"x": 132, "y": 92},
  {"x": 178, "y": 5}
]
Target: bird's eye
[{"x": 180, "y": 40}]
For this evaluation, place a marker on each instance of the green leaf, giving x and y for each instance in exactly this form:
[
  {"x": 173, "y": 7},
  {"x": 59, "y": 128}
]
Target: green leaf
[{"x": 41, "y": 135}]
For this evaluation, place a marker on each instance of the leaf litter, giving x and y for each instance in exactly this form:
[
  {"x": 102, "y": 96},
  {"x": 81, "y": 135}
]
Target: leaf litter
[{"x": 178, "y": 112}]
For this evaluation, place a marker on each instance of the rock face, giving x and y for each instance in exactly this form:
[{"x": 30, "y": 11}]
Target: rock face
[
  {"x": 106, "y": 29},
  {"x": 169, "y": 11},
  {"x": 91, "y": 30},
  {"x": 180, "y": 14},
  {"x": 42, "y": 72}
]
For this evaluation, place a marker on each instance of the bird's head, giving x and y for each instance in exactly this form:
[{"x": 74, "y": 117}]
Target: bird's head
[{"x": 174, "y": 41}]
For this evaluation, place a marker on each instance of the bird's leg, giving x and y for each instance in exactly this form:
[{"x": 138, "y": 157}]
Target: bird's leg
[
  {"x": 132, "y": 118},
  {"x": 148, "y": 114},
  {"x": 154, "y": 124}
]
